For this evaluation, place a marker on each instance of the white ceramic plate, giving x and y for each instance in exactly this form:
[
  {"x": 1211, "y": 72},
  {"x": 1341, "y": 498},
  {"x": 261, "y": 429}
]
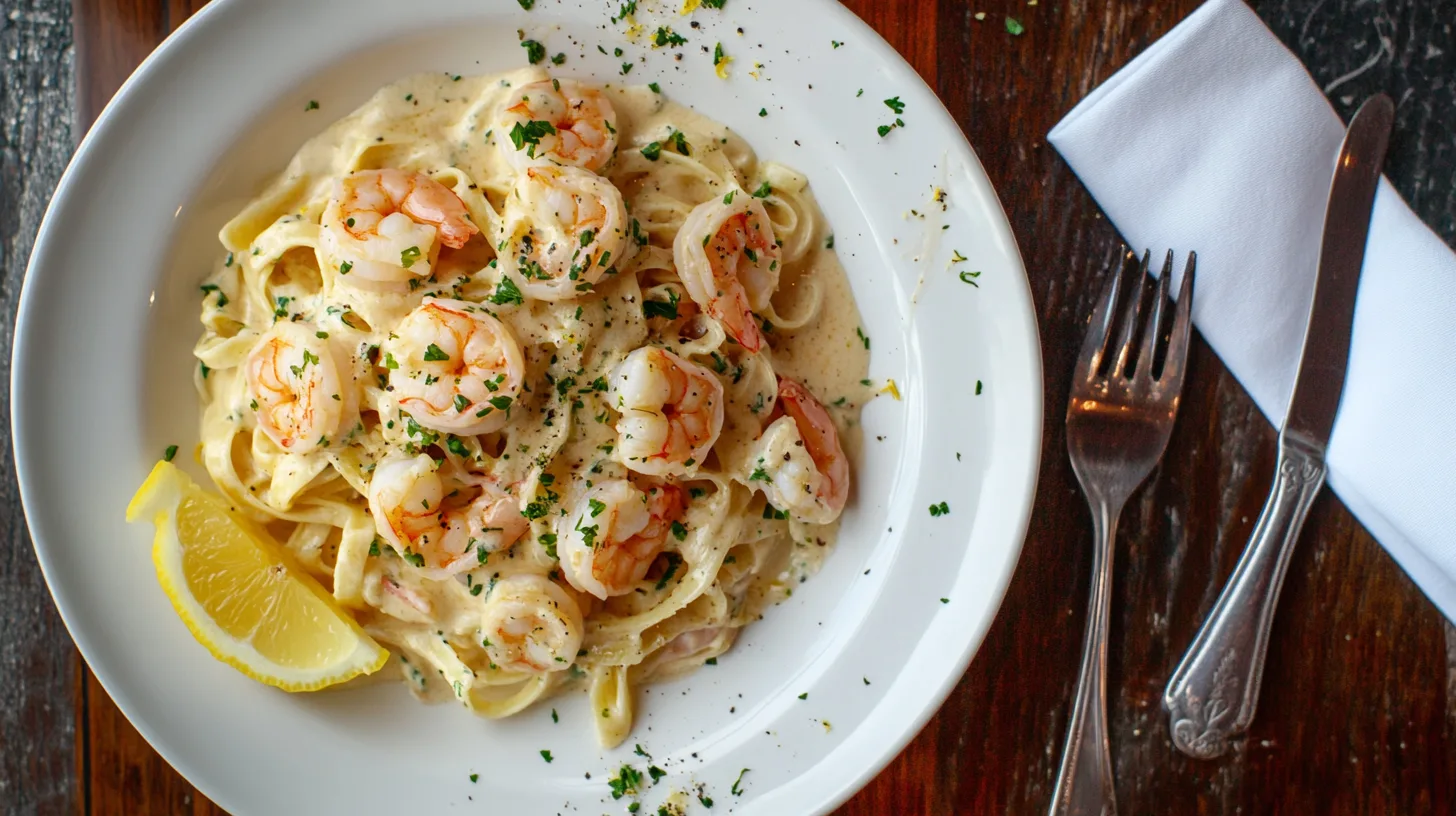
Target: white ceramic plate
[{"x": 102, "y": 384}]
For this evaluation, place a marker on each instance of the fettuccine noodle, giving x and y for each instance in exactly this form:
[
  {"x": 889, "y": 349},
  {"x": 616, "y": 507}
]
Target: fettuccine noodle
[{"x": 555, "y": 386}]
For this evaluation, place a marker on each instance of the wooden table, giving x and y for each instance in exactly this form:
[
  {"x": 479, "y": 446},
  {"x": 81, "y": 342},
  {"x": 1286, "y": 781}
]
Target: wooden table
[{"x": 1359, "y": 705}]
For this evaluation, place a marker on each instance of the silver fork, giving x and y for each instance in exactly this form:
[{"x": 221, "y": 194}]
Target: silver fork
[{"x": 1119, "y": 419}]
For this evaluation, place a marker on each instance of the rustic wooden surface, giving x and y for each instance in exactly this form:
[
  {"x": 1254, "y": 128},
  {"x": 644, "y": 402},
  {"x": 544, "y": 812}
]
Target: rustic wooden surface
[{"x": 1359, "y": 707}]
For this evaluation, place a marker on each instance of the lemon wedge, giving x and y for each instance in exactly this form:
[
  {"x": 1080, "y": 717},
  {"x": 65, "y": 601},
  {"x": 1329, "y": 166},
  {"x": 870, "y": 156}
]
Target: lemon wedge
[{"x": 237, "y": 593}]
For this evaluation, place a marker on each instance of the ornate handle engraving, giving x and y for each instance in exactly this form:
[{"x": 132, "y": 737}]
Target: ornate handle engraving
[{"x": 1213, "y": 693}]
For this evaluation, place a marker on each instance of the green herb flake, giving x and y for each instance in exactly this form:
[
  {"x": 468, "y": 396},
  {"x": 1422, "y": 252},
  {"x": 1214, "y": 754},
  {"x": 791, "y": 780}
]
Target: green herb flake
[
  {"x": 978, "y": 393},
  {"x": 433, "y": 354},
  {"x": 625, "y": 782},
  {"x": 764, "y": 190},
  {"x": 652, "y": 151},
  {"x": 408, "y": 257},
  {"x": 804, "y": 696},
  {"x": 476, "y": 777},
  {"x": 526, "y": 4},
  {"x": 737, "y": 783},
  {"x": 169, "y": 453},
  {"x": 558, "y": 59},
  {"x": 941, "y": 509},
  {"x": 546, "y": 755},
  {"x": 312, "y": 105},
  {"x": 863, "y": 338},
  {"x": 894, "y": 104},
  {"x": 506, "y": 292},
  {"x": 1014, "y": 27},
  {"x": 535, "y": 51},
  {"x": 970, "y": 277}
]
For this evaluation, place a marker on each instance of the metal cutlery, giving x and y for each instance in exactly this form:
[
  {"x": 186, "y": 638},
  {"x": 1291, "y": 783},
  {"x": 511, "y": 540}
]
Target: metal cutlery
[
  {"x": 1123, "y": 403},
  {"x": 1214, "y": 691}
]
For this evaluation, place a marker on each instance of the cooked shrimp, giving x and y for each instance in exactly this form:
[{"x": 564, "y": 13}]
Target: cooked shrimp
[
  {"x": 531, "y": 625},
  {"x": 454, "y": 367},
  {"x": 380, "y": 227},
  {"x": 563, "y": 229},
  {"x": 444, "y": 532},
  {"x": 559, "y": 121},
  {"x": 616, "y": 530},
  {"x": 800, "y": 464},
  {"x": 728, "y": 260},
  {"x": 671, "y": 412},
  {"x": 296, "y": 388}
]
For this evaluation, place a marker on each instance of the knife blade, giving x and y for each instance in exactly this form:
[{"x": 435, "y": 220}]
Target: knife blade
[
  {"x": 1212, "y": 695},
  {"x": 1321, "y": 379}
]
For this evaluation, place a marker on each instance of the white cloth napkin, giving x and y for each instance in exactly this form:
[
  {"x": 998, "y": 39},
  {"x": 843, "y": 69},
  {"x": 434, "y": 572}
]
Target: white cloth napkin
[{"x": 1217, "y": 140}]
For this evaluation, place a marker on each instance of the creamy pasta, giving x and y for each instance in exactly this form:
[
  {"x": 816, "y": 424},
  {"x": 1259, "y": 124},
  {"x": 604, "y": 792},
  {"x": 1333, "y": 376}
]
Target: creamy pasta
[{"x": 553, "y": 385}]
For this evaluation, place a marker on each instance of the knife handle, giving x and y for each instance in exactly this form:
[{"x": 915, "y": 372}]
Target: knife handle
[{"x": 1213, "y": 693}]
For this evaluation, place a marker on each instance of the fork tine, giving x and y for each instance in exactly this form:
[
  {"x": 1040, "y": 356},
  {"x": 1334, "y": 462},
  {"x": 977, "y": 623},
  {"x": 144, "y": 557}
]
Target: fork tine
[
  {"x": 1130, "y": 320},
  {"x": 1094, "y": 346},
  {"x": 1153, "y": 329},
  {"x": 1174, "y": 363}
]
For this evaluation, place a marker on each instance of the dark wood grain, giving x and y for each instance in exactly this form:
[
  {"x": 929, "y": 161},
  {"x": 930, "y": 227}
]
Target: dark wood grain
[
  {"x": 39, "y": 667},
  {"x": 1359, "y": 706}
]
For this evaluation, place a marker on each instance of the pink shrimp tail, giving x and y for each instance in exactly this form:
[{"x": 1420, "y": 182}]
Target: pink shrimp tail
[{"x": 821, "y": 440}]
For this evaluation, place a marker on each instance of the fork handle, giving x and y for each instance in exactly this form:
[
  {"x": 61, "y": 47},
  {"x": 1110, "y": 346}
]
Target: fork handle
[
  {"x": 1084, "y": 783},
  {"x": 1213, "y": 693}
]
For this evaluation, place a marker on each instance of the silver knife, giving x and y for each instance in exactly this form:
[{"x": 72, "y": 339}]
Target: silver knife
[{"x": 1213, "y": 693}]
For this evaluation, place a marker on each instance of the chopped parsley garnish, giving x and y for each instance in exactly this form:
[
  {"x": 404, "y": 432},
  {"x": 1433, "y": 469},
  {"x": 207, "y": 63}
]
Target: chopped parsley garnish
[
  {"x": 978, "y": 393},
  {"x": 762, "y": 112},
  {"x": 945, "y": 600},
  {"x": 502, "y": 402},
  {"x": 170, "y": 453},
  {"x": 1014, "y": 27},
  {"x": 535, "y": 51},
  {"x": 836, "y": 43},
  {"x": 456, "y": 447},
  {"x": 759, "y": 474},
  {"x": 705, "y": 800},
  {"x": 625, "y": 782},
  {"x": 461, "y": 402},
  {"x": 652, "y": 151},
  {"x": 546, "y": 755},
  {"x": 476, "y": 777},
  {"x": 657, "y": 89},
  {"x": 525, "y": 4},
  {"x": 345, "y": 267},
  {"x": 680, "y": 143},
  {"x": 804, "y": 696},
  {"x": 713, "y": 4},
  {"x": 863, "y": 338},
  {"x": 673, "y": 559},
  {"x": 554, "y": 718},
  {"x": 222, "y": 298},
  {"x": 679, "y": 530},
  {"x": 433, "y": 354},
  {"x": 417, "y": 559},
  {"x": 764, "y": 190},
  {"x": 548, "y": 541},
  {"x": 374, "y": 547},
  {"x": 941, "y": 509},
  {"x": 894, "y": 104},
  {"x": 312, "y": 105},
  {"x": 408, "y": 257},
  {"x": 282, "y": 310},
  {"x": 507, "y": 292},
  {"x": 389, "y": 361},
  {"x": 656, "y": 308},
  {"x": 667, "y": 37},
  {"x": 535, "y": 510},
  {"x": 596, "y": 507},
  {"x": 773, "y": 514},
  {"x": 829, "y": 242},
  {"x": 655, "y": 772},
  {"x": 970, "y": 277},
  {"x": 530, "y": 134},
  {"x": 626, "y": 68},
  {"x": 737, "y": 790},
  {"x": 718, "y": 54},
  {"x": 558, "y": 59}
]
